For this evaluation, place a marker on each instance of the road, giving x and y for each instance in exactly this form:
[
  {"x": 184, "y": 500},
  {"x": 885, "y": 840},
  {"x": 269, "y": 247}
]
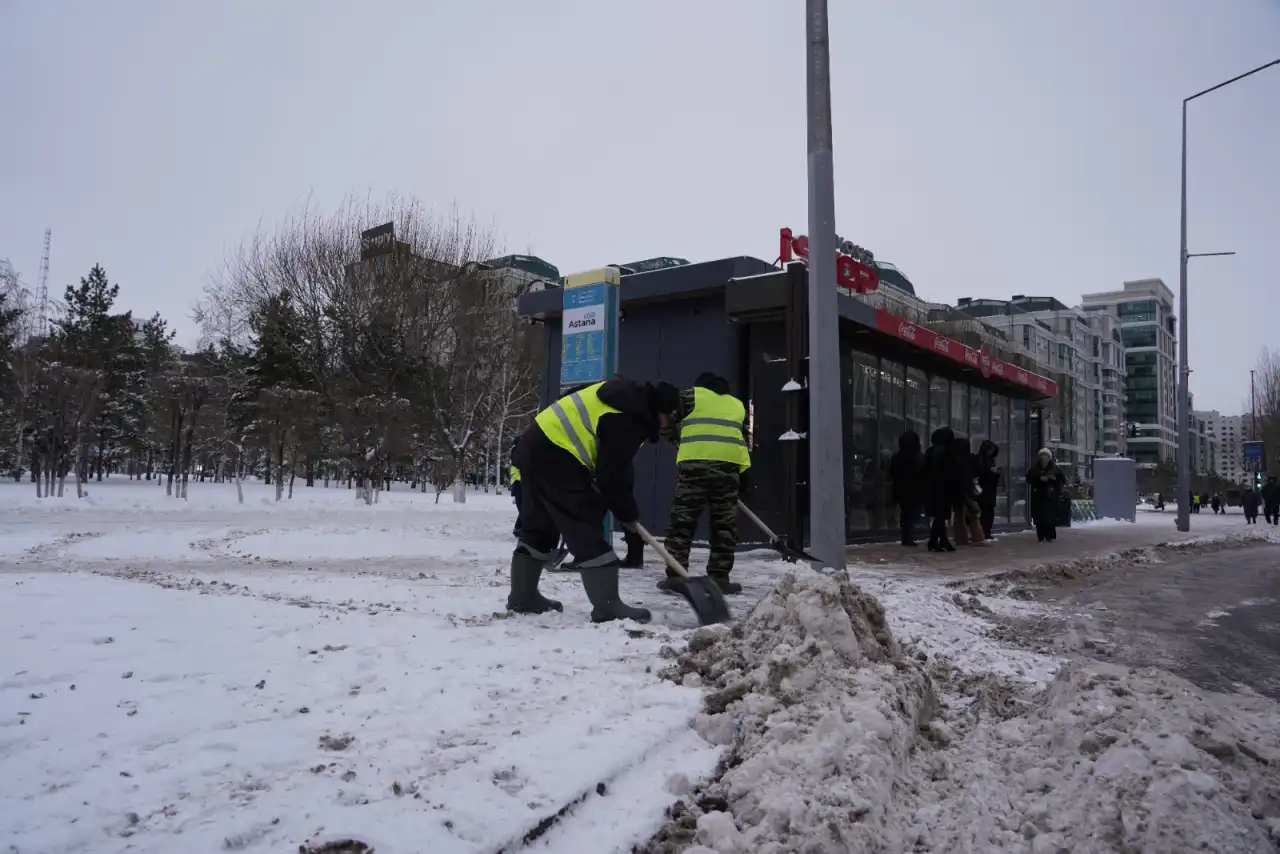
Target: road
[{"x": 1213, "y": 618}]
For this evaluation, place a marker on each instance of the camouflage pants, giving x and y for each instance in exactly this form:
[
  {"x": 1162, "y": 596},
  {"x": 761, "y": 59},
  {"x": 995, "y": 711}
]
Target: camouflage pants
[{"x": 715, "y": 487}]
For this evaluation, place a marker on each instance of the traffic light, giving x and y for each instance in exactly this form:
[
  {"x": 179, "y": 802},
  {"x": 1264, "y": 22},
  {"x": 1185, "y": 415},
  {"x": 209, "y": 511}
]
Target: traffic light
[{"x": 1257, "y": 480}]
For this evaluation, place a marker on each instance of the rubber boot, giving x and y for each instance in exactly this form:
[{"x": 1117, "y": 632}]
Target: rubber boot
[
  {"x": 727, "y": 587},
  {"x": 524, "y": 597},
  {"x": 601, "y": 584},
  {"x": 666, "y": 585}
]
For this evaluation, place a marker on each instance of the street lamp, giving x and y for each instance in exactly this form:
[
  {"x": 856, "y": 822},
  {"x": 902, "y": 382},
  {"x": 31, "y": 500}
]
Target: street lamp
[
  {"x": 1184, "y": 373},
  {"x": 826, "y": 420}
]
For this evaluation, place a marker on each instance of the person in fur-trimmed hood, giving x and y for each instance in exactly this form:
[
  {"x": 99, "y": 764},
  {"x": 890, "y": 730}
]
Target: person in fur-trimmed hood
[{"x": 1045, "y": 481}]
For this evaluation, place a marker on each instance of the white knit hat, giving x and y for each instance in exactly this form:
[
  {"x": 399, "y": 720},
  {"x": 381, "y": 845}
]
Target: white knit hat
[{"x": 1045, "y": 452}]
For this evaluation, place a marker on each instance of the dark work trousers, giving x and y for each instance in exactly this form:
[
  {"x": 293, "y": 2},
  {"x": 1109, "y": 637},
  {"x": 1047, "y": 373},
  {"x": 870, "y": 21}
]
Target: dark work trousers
[
  {"x": 987, "y": 516},
  {"x": 1272, "y": 512},
  {"x": 907, "y": 513},
  {"x": 1046, "y": 529},
  {"x": 713, "y": 486},
  {"x": 565, "y": 505}
]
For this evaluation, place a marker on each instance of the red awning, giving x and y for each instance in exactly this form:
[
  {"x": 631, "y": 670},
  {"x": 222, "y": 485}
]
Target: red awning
[{"x": 927, "y": 339}]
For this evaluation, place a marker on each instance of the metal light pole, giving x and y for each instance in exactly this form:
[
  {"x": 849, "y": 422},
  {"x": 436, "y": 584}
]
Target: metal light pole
[
  {"x": 826, "y": 422},
  {"x": 1184, "y": 372}
]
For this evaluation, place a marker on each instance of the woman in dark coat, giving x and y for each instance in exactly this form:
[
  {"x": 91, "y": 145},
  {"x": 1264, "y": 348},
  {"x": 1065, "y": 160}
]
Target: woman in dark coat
[
  {"x": 906, "y": 483},
  {"x": 940, "y": 477},
  {"x": 989, "y": 482},
  {"x": 1045, "y": 481}
]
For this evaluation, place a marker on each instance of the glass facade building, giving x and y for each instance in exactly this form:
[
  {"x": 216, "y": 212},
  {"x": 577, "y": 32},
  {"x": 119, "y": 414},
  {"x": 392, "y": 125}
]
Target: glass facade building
[{"x": 884, "y": 397}]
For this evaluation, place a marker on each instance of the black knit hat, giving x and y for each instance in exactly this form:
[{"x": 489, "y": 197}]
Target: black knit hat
[{"x": 664, "y": 397}]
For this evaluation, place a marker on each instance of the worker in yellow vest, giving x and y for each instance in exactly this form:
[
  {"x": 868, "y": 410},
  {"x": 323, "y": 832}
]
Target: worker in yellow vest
[
  {"x": 576, "y": 465},
  {"x": 710, "y": 430}
]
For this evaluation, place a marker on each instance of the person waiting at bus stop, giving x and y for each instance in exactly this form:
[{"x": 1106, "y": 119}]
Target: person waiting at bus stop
[
  {"x": 709, "y": 428},
  {"x": 576, "y": 465}
]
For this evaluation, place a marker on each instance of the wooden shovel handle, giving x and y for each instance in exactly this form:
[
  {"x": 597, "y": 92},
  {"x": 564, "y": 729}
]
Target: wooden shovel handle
[
  {"x": 658, "y": 547},
  {"x": 757, "y": 521}
]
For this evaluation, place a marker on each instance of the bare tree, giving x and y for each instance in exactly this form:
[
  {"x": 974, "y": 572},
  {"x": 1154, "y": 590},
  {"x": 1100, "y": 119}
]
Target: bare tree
[{"x": 1266, "y": 403}]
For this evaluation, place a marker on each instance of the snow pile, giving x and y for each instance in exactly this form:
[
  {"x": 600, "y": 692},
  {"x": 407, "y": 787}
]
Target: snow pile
[
  {"x": 819, "y": 710},
  {"x": 1109, "y": 760}
]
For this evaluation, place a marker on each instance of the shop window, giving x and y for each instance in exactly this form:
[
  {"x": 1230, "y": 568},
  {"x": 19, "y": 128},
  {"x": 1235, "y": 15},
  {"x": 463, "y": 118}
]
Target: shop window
[
  {"x": 939, "y": 406},
  {"x": 893, "y": 400},
  {"x": 1000, "y": 435},
  {"x": 979, "y": 416},
  {"x": 861, "y": 470},
  {"x": 918, "y": 404},
  {"x": 1018, "y": 461},
  {"x": 960, "y": 408}
]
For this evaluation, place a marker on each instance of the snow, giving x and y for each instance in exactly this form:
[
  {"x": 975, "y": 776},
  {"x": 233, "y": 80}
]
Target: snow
[
  {"x": 131, "y": 716},
  {"x": 208, "y": 676}
]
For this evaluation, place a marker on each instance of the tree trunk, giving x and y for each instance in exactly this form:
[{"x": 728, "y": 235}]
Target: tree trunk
[{"x": 280, "y": 468}]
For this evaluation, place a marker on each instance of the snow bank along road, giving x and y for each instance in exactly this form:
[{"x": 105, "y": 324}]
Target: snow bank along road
[{"x": 204, "y": 676}]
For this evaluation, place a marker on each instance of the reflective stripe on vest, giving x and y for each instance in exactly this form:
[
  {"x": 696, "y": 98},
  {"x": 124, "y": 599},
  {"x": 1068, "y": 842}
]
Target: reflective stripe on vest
[
  {"x": 713, "y": 430},
  {"x": 570, "y": 423},
  {"x": 515, "y": 475}
]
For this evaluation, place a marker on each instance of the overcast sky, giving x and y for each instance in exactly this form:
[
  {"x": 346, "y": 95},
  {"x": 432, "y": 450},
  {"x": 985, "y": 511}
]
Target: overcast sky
[{"x": 987, "y": 148}]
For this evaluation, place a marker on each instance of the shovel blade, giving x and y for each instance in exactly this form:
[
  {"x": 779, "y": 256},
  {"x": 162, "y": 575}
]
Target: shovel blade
[{"x": 705, "y": 597}]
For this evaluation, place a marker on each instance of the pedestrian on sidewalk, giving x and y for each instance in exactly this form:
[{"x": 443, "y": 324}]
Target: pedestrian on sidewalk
[
  {"x": 709, "y": 426},
  {"x": 906, "y": 483},
  {"x": 1216, "y": 504},
  {"x": 1271, "y": 500},
  {"x": 941, "y": 480},
  {"x": 964, "y": 522},
  {"x": 576, "y": 465},
  {"x": 1250, "y": 501},
  {"x": 989, "y": 482},
  {"x": 1045, "y": 481}
]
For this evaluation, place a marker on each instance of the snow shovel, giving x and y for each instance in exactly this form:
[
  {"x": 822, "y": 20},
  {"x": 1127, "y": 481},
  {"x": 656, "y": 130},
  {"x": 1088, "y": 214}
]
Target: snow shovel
[
  {"x": 702, "y": 593},
  {"x": 557, "y": 564},
  {"x": 777, "y": 543}
]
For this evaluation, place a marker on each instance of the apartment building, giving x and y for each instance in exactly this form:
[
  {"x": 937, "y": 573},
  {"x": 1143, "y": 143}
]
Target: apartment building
[
  {"x": 1065, "y": 342},
  {"x": 1111, "y": 361},
  {"x": 1148, "y": 331},
  {"x": 1228, "y": 433}
]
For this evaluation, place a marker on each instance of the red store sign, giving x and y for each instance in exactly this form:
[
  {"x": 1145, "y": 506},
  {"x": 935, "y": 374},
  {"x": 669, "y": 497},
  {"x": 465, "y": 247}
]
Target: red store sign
[
  {"x": 981, "y": 359},
  {"x": 850, "y": 272}
]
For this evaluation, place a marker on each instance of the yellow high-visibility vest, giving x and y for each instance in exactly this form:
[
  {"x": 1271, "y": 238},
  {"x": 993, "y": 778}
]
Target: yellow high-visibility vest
[
  {"x": 515, "y": 475},
  {"x": 570, "y": 423},
  {"x": 713, "y": 430}
]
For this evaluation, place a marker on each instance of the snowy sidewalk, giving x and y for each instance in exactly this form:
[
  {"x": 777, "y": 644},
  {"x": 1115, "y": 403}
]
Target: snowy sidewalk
[{"x": 1022, "y": 551}]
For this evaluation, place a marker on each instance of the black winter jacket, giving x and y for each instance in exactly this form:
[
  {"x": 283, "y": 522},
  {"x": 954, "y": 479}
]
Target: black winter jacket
[
  {"x": 619, "y": 435},
  {"x": 943, "y": 474},
  {"x": 906, "y": 471},
  {"x": 987, "y": 471}
]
